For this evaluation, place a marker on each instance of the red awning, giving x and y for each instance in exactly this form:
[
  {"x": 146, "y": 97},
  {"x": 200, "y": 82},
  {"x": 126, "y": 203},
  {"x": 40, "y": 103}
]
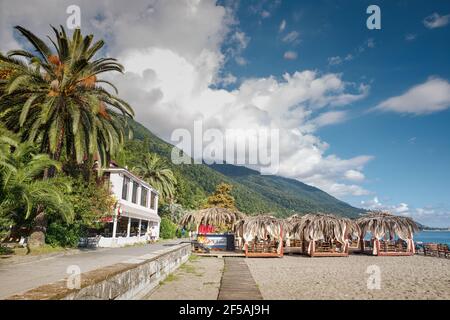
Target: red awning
[{"x": 204, "y": 229}]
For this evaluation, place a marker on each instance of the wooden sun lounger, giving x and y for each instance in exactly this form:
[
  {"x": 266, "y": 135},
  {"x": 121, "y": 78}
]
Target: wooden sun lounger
[
  {"x": 430, "y": 249},
  {"x": 262, "y": 249},
  {"x": 443, "y": 250},
  {"x": 393, "y": 248},
  {"x": 328, "y": 249}
]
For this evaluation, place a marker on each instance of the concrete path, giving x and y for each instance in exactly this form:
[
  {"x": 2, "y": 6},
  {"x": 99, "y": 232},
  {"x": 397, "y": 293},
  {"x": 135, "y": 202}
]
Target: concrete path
[
  {"x": 197, "y": 279},
  {"x": 237, "y": 282},
  {"x": 20, "y": 277}
]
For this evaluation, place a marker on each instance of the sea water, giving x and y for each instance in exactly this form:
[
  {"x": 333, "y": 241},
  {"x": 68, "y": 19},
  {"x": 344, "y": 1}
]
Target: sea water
[{"x": 432, "y": 236}]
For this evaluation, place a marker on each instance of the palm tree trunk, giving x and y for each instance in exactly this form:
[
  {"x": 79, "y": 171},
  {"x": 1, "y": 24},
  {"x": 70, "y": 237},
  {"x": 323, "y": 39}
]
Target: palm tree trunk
[
  {"x": 57, "y": 153},
  {"x": 37, "y": 236}
]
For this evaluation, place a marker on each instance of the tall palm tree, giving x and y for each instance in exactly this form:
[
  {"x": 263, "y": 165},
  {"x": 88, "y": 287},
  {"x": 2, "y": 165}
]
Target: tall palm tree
[
  {"x": 22, "y": 189},
  {"x": 154, "y": 170},
  {"x": 56, "y": 99}
]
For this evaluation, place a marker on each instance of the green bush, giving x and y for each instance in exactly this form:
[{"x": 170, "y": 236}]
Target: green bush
[
  {"x": 168, "y": 229},
  {"x": 62, "y": 235}
]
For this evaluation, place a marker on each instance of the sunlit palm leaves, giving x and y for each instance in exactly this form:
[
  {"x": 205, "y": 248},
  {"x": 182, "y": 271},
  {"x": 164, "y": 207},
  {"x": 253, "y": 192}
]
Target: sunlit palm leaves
[
  {"x": 20, "y": 185},
  {"x": 154, "y": 170},
  {"x": 56, "y": 99}
]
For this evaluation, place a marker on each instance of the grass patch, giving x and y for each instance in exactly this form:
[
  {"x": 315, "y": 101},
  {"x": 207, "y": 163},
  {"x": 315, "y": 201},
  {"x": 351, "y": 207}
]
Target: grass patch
[
  {"x": 193, "y": 258},
  {"x": 35, "y": 251},
  {"x": 171, "y": 277},
  {"x": 4, "y": 251}
]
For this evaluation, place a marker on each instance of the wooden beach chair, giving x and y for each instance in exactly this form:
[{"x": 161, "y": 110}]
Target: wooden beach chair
[
  {"x": 430, "y": 249},
  {"x": 443, "y": 250}
]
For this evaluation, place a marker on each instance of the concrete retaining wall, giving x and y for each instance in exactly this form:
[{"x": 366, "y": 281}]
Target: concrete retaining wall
[{"x": 130, "y": 279}]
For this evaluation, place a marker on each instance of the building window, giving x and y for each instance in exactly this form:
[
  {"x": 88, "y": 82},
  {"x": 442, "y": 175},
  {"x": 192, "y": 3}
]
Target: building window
[
  {"x": 126, "y": 183},
  {"x": 152, "y": 200},
  {"x": 144, "y": 193},
  {"x": 135, "y": 189}
]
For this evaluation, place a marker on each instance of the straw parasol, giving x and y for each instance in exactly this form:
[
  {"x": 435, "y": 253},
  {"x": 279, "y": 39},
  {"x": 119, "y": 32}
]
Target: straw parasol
[
  {"x": 262, "y": 225},
  {"x": 380, "y": 224},
  {"x": 320, "y": 226},
  {"x": 214, "y": 216}
]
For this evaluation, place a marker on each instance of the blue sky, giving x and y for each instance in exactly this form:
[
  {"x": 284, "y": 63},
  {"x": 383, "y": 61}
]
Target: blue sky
[
  {"x": 411, "y": 152},
  {"x": 362, "y": 114}
]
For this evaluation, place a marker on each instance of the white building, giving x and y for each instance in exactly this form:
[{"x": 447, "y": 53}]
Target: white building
[{"x": 135, "y": 217}]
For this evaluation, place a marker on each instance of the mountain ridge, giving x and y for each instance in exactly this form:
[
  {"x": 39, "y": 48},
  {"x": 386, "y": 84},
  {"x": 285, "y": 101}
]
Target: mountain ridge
[{"x": 254, "y": 193}]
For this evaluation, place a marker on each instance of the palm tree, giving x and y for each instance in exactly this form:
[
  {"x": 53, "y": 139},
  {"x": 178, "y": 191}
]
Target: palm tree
[
  {"x": 57, "y": 100},
  {"x": 22, "y": 189},
  {"x": 154, "y": 170}
]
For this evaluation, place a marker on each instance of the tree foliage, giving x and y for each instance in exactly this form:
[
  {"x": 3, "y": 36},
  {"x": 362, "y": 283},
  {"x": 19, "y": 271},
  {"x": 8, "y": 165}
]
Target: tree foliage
[
  {"x": 221, "y": 197},
  {"x": 57, "y": 100}
]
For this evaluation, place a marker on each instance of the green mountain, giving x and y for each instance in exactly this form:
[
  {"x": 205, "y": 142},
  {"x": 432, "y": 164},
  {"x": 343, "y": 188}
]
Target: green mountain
[{"x": 254, "y": 193}]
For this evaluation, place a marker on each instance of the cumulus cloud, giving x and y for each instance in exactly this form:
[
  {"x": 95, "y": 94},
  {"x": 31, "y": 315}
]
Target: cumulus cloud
[
  {"x": 435, "y": 20},
  {"x": 428, "y": 97},
  {"x": 174, "y": 54},
  {"x": 290, "y": 55}
]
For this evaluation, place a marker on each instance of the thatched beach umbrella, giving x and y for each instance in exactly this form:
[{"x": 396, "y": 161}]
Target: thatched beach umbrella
[
  {"x": 385, "y": 225},
  {"x": 214, "y": 216},
  {"x": 324, "y": 227},
  {"x": 261, "y": 226},
  {"x": 381, "y": 224}
]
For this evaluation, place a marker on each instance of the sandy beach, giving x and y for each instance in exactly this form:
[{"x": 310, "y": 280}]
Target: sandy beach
[
  {"x": 298, "y": 277},
  {"x": 302, "y": 278}
]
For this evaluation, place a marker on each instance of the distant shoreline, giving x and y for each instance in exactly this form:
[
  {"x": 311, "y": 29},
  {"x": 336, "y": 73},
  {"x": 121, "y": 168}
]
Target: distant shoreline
[{"x": 436, "y": 230}]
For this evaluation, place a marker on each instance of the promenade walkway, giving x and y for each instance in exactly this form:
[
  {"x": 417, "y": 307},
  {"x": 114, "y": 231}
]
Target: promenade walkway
[
  {"x": 19, "y": 277},
  {"x": 237, "y": 281}
]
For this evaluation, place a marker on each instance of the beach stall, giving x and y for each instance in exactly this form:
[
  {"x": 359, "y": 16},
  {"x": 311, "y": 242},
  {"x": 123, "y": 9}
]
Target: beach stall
[
  {"x": 263, "y": 236},
  {"x": 324, "y": 235},
  {"x": 390, "y": 235},
  {"x": 214, "y": 227}
]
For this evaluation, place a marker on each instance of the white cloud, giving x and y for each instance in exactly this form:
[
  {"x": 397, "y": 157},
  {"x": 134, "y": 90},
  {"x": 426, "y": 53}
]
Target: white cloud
[
  {"x": 334, "y": 60},
  {"x": 290, "y": 55},
  {"x": 328, "y": 118},
  {"x": 282, "y": 26},
  {"x": 436, "y": 21},
  {"x": 338, "y": 60},
  {"x": 242, "y": 39},
  {"x": 354, "y": 175},
  {"x": 428, "y": 97},
  {"x": 292, "y": 37},
  {"x": 265, "y": 14},
  {"x": 241, "y": 61},
  {"x": 410, "y": 37},
  {"x": 174, "y": 53}
]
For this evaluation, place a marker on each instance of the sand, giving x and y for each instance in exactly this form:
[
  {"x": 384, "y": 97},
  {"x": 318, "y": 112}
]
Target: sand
[
  {"x": 299, "y": 277},
  {"x": 197, "y": 279}
]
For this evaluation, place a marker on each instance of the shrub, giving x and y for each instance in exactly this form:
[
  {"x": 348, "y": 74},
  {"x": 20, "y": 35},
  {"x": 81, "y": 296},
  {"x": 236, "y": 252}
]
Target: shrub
[
  {"x": 63, "y": 235},
  {"x": 168, "y": 229}
]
